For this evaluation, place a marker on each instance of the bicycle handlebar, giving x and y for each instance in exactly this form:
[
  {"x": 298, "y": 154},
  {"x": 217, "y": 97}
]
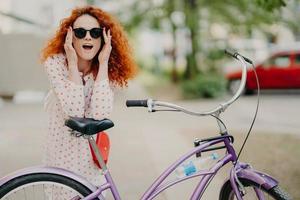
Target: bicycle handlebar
[
  {"x": 235, "y": 54},
  {"x": 136, "y": 103},
  {"x": 217, "y": 110}
]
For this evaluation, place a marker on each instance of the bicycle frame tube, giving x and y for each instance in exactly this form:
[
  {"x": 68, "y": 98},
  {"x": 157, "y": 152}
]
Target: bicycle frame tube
[
  {"x": 157, "y": 187},
  {"x": 109, "y": 180},
  {"x": 108, "y": 185}
]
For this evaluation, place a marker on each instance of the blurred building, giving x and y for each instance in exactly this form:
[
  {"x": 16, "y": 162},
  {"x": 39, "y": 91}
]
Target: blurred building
[
  {"x": 26, "y": 25},
  {"x": 24, "y": 28}
]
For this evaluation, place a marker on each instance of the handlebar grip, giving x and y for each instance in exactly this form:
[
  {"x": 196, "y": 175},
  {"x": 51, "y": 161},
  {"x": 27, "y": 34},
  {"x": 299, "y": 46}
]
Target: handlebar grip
[
  {"x": 136, "y": 103},
  {"x": 235, "y": 54}
]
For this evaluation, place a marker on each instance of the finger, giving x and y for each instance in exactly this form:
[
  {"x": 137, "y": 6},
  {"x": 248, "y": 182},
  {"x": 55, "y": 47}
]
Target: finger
[
  {"x": 108, "y": 33},
  {"x": 104, "y": 35},
  {"x": 68, "y": 36},
  {"x": 71, "y": 32},
  {"x": 109, "y": 36},
  {"x": 108, "y": 39}
]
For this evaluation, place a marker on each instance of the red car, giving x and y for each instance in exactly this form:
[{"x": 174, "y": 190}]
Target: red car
[{"x": 280, "y": 71}]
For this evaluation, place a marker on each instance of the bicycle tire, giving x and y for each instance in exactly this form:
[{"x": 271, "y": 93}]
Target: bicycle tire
[
  {"x": 276, "y": 192},
  {"x": 39, "y": 178}
]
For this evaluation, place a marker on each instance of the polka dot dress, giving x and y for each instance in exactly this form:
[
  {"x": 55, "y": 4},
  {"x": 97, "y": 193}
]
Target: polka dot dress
[{"x": 66, "y": 98}]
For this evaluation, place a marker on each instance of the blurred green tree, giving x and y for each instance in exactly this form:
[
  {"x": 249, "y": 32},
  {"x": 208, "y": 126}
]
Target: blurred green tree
[
  {"x": 240, "y": 15},
  {"x": 90, "y": 2}
]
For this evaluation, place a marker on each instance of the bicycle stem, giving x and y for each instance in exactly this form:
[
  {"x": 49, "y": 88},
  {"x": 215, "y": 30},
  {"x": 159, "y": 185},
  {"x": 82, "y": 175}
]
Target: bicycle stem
[{"x": 222, "y": 128}]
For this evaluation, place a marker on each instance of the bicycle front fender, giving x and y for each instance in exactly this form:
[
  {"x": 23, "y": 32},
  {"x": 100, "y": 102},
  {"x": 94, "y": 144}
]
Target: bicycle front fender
[
  {"x": 261, "y": 179},
  {"x": 51, "y": 170}
]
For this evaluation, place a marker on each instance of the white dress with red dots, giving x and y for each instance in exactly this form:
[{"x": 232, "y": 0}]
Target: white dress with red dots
[{"x": 66, "y": 98}]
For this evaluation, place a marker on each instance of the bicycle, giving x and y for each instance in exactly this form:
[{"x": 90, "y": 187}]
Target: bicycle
[{"x": 243, "y": 179}]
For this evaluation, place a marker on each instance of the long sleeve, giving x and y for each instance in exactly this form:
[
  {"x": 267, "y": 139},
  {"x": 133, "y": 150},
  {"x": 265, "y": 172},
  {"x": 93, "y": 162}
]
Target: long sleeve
[
  {"x": 69, "y": 94},
  {"x": 101, "y": 100}
]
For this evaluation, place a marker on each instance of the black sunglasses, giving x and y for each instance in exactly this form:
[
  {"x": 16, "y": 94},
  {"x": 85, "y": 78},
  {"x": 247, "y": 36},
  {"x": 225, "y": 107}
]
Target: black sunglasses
[{"x": 94, "y": 32}]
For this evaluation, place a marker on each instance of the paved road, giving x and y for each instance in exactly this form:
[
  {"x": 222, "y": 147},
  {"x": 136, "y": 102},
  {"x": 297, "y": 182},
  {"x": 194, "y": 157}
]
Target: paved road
[{"x": 144, "y": 144}]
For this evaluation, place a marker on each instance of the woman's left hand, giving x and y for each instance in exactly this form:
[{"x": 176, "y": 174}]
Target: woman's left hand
[{"x": 106, "y": 50}]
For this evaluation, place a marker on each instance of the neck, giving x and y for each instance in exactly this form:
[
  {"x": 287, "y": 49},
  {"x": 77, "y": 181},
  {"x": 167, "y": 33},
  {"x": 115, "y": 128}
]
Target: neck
[{"x": 84, "y": 66}]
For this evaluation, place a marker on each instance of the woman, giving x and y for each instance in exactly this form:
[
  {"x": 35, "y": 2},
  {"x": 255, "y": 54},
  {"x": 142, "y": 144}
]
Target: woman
[{"x": 88, "y": 54}]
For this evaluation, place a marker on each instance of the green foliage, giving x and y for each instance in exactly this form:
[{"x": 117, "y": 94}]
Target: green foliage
[
  {"x": 204, "y": 85},
  {"x": 90, "y": 2},
  {"x": 239, "y": 16},
  {"x": 270, "y": 5},
  {"x": 215, "y": 54}
]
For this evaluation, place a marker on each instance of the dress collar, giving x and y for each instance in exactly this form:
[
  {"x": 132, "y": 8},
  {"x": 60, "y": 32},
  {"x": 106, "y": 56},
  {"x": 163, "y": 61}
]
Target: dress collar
[{"x": 87, "y": 77}]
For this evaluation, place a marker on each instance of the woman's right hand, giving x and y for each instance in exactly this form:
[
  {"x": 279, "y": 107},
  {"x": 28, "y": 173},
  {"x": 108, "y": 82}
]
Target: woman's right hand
[
  {"x": 72, "y": 58},
  {"x": 69, "y": 49}
]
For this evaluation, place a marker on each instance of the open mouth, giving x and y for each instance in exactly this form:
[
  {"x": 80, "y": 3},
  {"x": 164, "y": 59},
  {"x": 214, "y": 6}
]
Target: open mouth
[{"x": 87, "y": 46}]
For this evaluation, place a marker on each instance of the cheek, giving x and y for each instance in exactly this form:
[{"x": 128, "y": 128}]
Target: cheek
[
  {"x": 76, "y": 45},
  {"x": 97, "y": 45}
]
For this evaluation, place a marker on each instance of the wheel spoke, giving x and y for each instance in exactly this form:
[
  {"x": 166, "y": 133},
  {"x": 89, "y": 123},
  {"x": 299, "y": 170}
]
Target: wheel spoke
[
  {"x": 43, "y": 192},
  {"x": 25, "y": 194}
]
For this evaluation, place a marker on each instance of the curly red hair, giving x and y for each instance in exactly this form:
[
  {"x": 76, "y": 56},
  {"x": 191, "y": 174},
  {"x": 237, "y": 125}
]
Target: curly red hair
[{"x": 121, "y": 59}]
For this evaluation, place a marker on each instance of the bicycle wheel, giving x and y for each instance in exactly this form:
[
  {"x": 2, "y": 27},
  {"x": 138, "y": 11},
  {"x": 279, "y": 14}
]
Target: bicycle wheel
[
  {"x": 275, "y": 193},
  {"x": 43, "y": 186}
]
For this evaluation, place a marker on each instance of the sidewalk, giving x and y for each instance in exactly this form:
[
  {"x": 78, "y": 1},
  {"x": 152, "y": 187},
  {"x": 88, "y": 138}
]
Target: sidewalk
[{"x": 143, "y": 144}]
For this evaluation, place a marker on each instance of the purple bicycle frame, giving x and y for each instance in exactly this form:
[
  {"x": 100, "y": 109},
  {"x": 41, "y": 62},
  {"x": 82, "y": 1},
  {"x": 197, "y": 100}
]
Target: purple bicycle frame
[{"x": 240, "y": 170}]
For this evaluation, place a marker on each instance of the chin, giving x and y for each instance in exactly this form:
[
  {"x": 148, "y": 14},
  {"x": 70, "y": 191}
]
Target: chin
[{"x": 87, "y": 56}]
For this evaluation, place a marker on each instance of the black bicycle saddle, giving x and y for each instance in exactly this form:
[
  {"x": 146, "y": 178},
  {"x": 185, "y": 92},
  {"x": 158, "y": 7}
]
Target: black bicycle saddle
[{"x": 88, "y": 126}]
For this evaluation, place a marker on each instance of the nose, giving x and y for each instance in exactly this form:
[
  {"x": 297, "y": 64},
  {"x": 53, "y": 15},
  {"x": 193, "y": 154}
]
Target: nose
[{"x": 88, "y": 36}]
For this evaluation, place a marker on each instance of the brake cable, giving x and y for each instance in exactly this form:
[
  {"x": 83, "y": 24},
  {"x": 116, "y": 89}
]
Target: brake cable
[{"x": 255, "y": 115}]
